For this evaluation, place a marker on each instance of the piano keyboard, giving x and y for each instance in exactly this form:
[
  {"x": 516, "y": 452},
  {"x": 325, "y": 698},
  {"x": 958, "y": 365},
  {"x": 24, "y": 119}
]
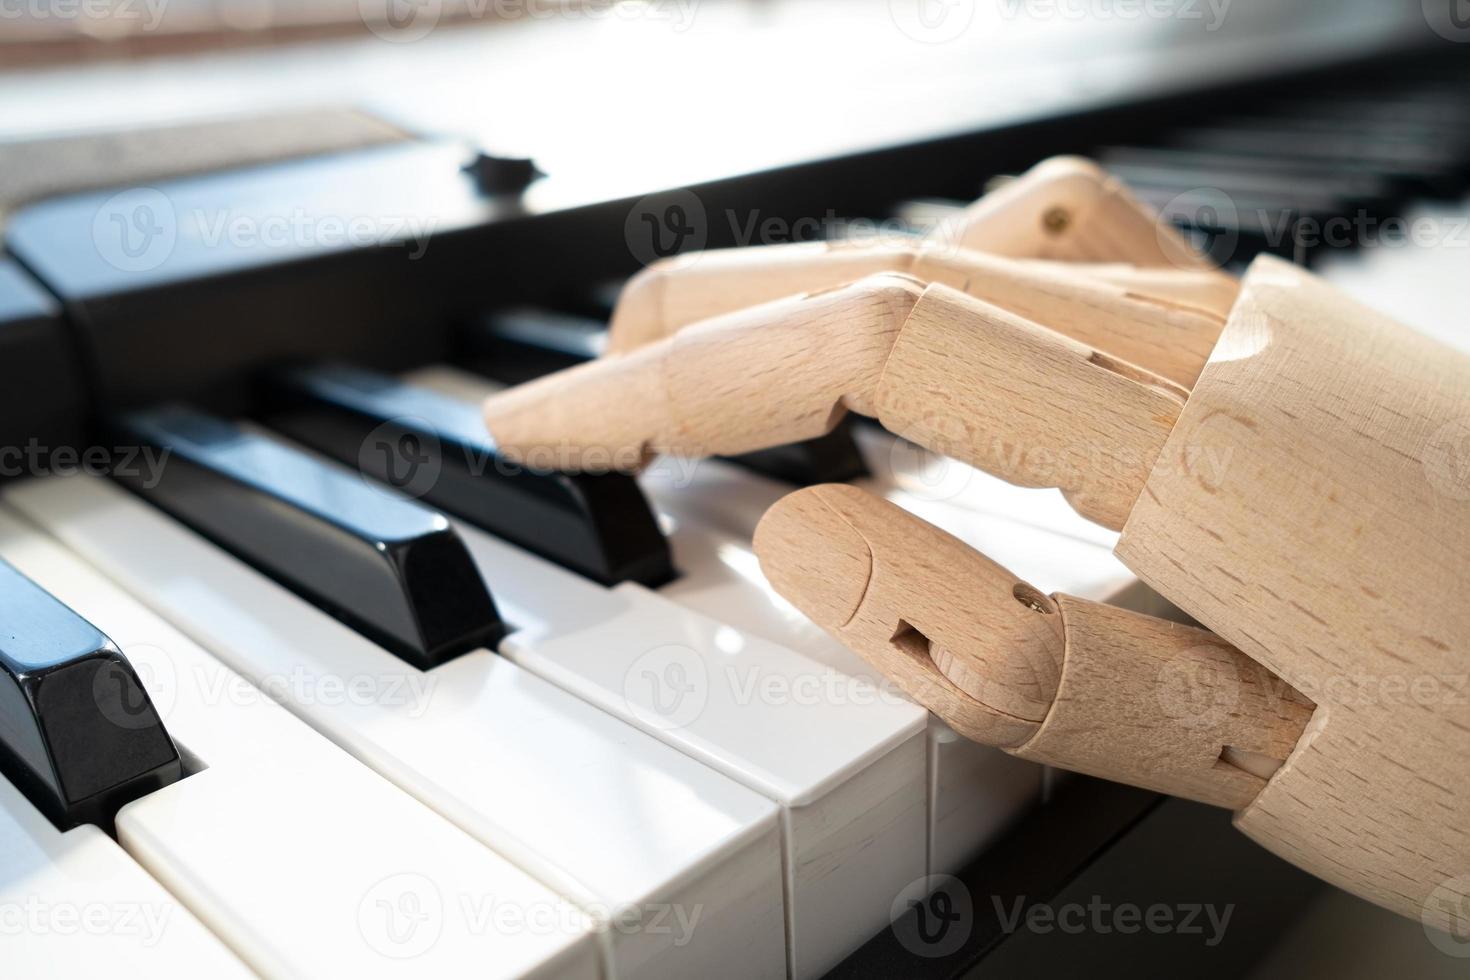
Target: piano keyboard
[{"x": 435, "y": 717}]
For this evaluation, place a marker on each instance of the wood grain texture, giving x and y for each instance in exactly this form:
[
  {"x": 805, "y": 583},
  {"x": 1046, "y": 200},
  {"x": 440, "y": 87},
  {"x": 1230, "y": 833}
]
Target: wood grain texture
[
  {"x": 1052, "y": 679},
  {"x": 910, "y": 598},
  {"x": 770, "y": 375},
  {"x": 1211, "y": 290},
  {"x": 1163, "y": 320},
  {"x": 1069, "y": 208},
  {"x": 1026, "y": 404},
  {"x": 1331, "y": 543},
  {"x": 1166, "y": 707},
  {"x": 945, "y": 370}
]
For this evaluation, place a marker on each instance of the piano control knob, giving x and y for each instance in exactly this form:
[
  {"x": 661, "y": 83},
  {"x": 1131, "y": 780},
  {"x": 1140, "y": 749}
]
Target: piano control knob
[{"x": 502, "y": 175}]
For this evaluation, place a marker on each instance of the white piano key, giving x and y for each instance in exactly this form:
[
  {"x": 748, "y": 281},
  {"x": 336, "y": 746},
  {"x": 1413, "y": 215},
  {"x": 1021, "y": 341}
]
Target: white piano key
[
  {"x": 845, "y": 759},
  {"x": 713, "y": 508},
  {"x": 781, "y": 723},
  {"x": 974, "y": 791},
  {"x": 846, "y": 765},
  {"x": 75, "y": 904},
  {"x": 681, "y": 864},
  {"x": 304, "y": 861}
]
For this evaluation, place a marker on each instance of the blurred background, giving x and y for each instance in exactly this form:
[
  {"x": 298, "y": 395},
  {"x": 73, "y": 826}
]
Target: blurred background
[
  {"x": 533, "y": 137},
  {"x": 624, "y": 96}
]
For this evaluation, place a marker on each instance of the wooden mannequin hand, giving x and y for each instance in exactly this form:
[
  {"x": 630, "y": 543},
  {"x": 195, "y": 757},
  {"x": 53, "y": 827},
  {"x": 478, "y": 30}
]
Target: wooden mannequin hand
[
  {"x": 960, "y": 376},
  {"x": 984, "y": 385},
  {"x": 1326, "y": 551},
  {"x": 1065, "y": 208}
]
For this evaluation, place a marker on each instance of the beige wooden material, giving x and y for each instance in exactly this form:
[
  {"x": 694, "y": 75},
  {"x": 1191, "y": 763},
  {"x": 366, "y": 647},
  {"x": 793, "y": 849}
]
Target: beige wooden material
[
  {"x": 1166, "y": 707},
  {"x": 774, "y": 374},
  {"x": 1068, "y": 208},
  {"x": 963, "y": 377},
  {"x": 1308, "y": 501},
  {"x": 1115, "y": 310},
  {"x": 1052, "y": 679},
  {"x": 908, "y": 597},
  {"x": 1333, "y": 546},
  {"x": 1210, "y": 290},
  {"x": 980, "y": 384}
]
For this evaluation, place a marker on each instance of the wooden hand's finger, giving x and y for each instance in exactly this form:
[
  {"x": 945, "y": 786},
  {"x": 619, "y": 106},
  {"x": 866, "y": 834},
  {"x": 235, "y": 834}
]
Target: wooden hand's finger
[
  {"x": 1157, "y": 331},
  {"x": 1050, "y": 678},
  {"x": 934, "y": 615},
  {"x": 1207, "y": 290},
  {"x": 673, "y": 293},
  {"x": 1068, "y": 208},
  {"x": 980, "y": 384},
  {"x": 958, "y": 376},
  {"x": 762, "y": 377}
]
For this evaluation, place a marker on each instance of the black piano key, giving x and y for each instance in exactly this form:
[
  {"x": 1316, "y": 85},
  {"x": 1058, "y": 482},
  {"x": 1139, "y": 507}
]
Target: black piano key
[
  {"x": 832, "y": 458},
  {"x": 578, "y": 338},
  {"x": 1229, "y": 161},
  {"x": 1433, "y": 139},
  {"x": 1381, "y": 191},
  {"x": 603, "y": 298},
  {"x": 1286, "y": 138},
  {"x": 1324, "y": 192},
  {"x": 1426, "y": 108},
  {"x": 1244, "y": 225},
  {"x": 515, "y": 346},
  {"x": 42, "y": 399},
  {"x": 1246, "y": 204},
  {"x": 1435, "y": 171},
  {"x": 425, "y": 443},
  {"x": 1443, "y": 133},
  {"x": 385, "y": 565},
  {"x": 78, "y": 733}
]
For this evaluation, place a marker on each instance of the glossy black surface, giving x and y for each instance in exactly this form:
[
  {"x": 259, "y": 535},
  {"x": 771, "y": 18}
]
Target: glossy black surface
[
  {"x": 502, "y": 175},
  {"x": 1321, "y": 168},
  {"x": 1436, "y": 169},
  {"x": 193, "y": 314},
  {"x": 41, "y": 397},
  {"x": 78, "y": 734},
  {"x": 385, "y": 565},
  {"x": 437, "y": 448}
]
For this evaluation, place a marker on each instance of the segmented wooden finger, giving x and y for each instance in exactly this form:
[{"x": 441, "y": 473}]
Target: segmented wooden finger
[
  {"x": 1112, "y": 312},
  {"x": 1068, "y": 208},
  {"x": 1053, "y": 679}
]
